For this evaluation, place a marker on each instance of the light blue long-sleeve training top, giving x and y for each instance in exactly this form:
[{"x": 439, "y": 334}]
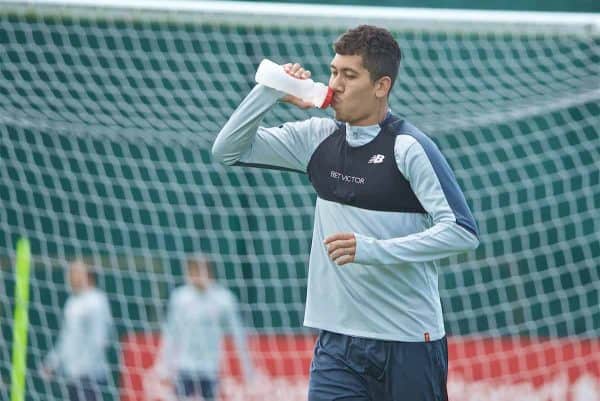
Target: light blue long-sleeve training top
[
  {"x": 193, "y": 333},
  {"x": 84, "y": 336},
  {"x": 390, "y": 291}
]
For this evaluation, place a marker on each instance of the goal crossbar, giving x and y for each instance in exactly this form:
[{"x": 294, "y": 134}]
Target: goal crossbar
[{"x": 434, "y": 19}]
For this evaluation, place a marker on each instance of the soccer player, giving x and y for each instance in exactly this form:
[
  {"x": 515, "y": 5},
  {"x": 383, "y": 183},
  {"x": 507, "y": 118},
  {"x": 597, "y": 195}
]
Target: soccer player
[
  {"x": 86, "y": 330},
  {"x": 199, "y": 315},
  {"x": 388, "y": 207}
]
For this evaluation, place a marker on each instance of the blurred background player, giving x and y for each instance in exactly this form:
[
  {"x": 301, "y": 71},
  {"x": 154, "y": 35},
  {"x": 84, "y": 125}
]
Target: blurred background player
[
  {"x": 200, "y": 314},
  {"x": 80, "y": 351}
]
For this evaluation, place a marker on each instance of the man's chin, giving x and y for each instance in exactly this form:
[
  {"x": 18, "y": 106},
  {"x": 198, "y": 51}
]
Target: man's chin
[{"x": 340, "y": 117}]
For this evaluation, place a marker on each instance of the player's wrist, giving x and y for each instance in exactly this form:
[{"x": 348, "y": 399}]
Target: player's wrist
[{"x": 361, "y": 254}]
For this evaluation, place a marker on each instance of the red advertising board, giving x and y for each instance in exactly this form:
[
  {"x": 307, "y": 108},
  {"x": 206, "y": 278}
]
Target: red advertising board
[{"x": 496, "y": 369}]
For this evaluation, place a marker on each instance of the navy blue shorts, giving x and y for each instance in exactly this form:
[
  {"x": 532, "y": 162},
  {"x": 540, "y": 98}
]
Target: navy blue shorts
[
  {"x": 85, "y": 389},
  {"x": 362, "y": 369},
  {"x": 188, "y": 385}
]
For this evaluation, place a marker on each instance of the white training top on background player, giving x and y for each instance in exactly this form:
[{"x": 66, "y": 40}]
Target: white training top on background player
[
  {"x": 196, "y": 325},
  {"x": 199, "y": 315},
  {"x": 85, "y": 333}
]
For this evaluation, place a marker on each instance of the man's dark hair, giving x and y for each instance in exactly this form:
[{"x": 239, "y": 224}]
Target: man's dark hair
[{"x": 380, "y": 52}]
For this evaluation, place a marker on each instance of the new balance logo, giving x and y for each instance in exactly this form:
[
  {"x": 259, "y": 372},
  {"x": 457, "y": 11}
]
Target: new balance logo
[{"x": 376, "y": 159}]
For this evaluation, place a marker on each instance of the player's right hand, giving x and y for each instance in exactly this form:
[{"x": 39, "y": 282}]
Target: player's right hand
[{"x": 296, "y": 71}]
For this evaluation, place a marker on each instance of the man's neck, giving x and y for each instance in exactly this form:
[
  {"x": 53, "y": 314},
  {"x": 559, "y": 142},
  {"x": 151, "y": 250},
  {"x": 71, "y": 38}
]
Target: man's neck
[{"x": 82, "y": 290}]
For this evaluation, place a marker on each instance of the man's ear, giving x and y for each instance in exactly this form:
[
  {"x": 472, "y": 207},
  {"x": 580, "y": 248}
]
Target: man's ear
[{"x": 383, "y": 86}]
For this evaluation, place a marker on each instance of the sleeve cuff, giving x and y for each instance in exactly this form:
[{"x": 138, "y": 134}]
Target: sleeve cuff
[
  {"x": 274, "y": 94},
  {"x": 364, "y": 249}
]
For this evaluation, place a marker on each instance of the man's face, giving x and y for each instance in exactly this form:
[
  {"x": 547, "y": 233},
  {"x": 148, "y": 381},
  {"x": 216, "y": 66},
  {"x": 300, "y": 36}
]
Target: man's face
[
  {"x": 78, "y": 276},
  {"x": 198, "y": 274},
  {"x": 355, "y": 98}
]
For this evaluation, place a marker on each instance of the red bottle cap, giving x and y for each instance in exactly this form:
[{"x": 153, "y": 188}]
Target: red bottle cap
[{"x": 328, "y": 98}]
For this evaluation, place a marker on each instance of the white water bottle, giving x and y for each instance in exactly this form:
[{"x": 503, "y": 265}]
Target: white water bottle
[{"x": 274, "y": 76}]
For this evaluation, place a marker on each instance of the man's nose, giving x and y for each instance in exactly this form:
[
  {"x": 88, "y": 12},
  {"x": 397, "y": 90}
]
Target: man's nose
[{"x": 336, "y": 84}]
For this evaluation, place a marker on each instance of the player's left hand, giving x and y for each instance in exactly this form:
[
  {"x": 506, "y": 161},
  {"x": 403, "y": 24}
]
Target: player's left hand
[
  {"x": 297, "y": 71},
  {"x": 341, "y": 248}
]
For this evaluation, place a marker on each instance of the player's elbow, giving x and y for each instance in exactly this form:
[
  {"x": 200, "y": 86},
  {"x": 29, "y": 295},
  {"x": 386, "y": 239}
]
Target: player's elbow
[
  {"x": 472, "y": 242},
  {"x": 221, "y": 153},
  {"x": 469, "y": 239}
]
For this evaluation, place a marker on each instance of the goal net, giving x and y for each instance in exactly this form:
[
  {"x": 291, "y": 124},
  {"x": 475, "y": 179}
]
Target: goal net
[{"x": 108, "y": 111}]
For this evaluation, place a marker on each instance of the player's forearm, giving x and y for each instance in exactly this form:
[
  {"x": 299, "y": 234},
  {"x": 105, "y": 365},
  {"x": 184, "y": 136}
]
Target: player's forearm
[
  {"x": 242, "y": 347},
  {"x": 163, "y": 364},
  {"x": 235, "y": 327},
  {"x": 100, "y": 326},
  {"x": 52, "y": 360},
  {"x": 98, "y": 339},
  {"x": 238, "y": 133},
  {"x": 442, "y": 240}
]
